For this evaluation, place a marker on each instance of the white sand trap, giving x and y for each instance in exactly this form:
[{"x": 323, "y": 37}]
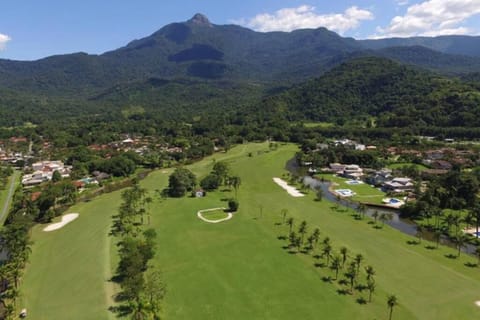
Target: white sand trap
[
  {"x": 65, "y": 220},
  {"x": 291, "y": 190},
  {"x": 199, "y": 214},
  {"x": 477, "y": 303}
]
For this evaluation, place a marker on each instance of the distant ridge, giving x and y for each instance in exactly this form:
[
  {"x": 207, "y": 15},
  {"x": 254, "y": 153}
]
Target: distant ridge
[{"x": 201, "y": 50}]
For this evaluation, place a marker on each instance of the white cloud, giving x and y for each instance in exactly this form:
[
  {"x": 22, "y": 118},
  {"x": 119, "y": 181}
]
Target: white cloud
[
  {"x": 402, "y": 2},
  {"x": 304, "y": 17},
  {"x": 3, "y": 40},
  {"x": 432, "y": 18}
]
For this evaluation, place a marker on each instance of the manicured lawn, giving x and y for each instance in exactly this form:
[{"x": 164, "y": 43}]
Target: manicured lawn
[
  {"x": 238, "y": 269},
  {"x": 418, "y": 166},
  {"x": 67, "y": 277},
  {"x": 364, "y": 192}
]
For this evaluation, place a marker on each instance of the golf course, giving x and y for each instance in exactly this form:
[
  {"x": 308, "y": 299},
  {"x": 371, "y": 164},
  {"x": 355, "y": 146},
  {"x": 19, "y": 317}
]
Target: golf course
[{"x": 241, "y": 268}]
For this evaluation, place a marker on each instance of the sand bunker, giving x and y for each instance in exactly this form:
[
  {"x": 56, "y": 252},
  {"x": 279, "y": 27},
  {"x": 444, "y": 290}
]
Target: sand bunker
[
  {"x": 477, "y": 303},
  {"x": 291, "y": 190},
  {"x": 65, "y": 220},
  {"x": 199, "y": 214}
]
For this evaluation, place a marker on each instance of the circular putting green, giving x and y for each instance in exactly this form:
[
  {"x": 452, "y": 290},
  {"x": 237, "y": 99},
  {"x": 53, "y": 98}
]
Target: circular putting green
[{"x": 214, "y": 215}]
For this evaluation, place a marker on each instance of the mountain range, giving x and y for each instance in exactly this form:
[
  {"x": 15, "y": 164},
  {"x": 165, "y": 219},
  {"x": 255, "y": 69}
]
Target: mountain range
[{"x": 198, "y": 49}]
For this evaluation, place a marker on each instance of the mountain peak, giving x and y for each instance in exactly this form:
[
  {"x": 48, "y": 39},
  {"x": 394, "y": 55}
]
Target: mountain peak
[{"x": 200, "y": 19}]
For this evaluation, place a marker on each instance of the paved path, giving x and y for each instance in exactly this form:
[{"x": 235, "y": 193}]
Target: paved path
[{"x": 11, "y": 189}]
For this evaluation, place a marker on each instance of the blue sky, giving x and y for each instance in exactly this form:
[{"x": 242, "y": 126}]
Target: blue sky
[{"x": 33, "y": 29}]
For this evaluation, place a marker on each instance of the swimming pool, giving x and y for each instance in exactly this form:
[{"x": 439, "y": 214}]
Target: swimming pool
[
  {"x": 345, "y": 192},
  {"x": 353, "y": 182}
]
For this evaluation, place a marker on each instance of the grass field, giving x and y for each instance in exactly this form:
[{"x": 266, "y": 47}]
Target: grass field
[
  {"x": 237, "y": 269},
  {"x": 418, "y": 166}
]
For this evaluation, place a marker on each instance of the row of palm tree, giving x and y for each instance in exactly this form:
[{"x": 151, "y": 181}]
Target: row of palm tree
[{"x": 336, "y": 262}]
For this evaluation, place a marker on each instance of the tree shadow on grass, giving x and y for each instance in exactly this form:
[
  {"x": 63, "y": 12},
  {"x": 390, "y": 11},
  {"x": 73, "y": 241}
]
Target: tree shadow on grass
[
  {"x": 327, "y": 279},
  {"x": 360, "y": 287},
  {"x": 470, "y": 264},
  {"x": 121, "y": 310},
  {"x": 282, "y": 237},
  {"x": 412, "y": 242},
  {"x": 343, "y": 292},
  {"x": 319, "y": 265},
  {"x": 430, "y": 247},
  {"x": 451, "y": 256},
  {"x": 343, "y": 282},
  {"x": 361, "y": 300}
]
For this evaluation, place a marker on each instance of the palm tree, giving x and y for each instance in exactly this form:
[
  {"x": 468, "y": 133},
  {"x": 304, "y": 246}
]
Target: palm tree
[
  {"x": 326, "y": 241},
  {"x": 292, "y": 237},
  {"x": 391, "y": 302},
  {"x": 344, "y": 252},
  {"x": 310, "y": 241},
  {"x": 384, "y": 217},
  {"x": 358, "y": 261},
  {"x": 316, "y": 235},
  {"x": 290, "y": 224},
  {"x": 351, "y": 275},
  {"x": 284, "y": 214},
  {"x": 302, "y": 229},
  {"x": 327, "y": 251},
  {"x": 375, "y": 215},
  {"x": 419, "y": 233},
  {"x": 336, "y": 264},
  {"x": 371, "y": 289},
  {"x": 460, "y": 241},
  {"x": 437, "y": 235},
  {"x": 370, "y": 272},
  {"x": 476, "y": 210},
  {"x": 361, "y": 208},
  {"x": 469, "y": 219}
]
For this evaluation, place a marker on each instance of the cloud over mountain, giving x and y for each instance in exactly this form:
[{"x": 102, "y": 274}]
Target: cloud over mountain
[{"x": 304, "y": 17}]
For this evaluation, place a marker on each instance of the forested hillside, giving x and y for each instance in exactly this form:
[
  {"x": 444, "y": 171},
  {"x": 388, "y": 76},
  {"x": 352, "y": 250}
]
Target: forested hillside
[{"x": 382, "y": 93}]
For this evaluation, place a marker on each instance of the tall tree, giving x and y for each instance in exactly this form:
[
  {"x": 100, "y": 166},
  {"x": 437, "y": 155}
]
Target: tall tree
[
  {"x": 344, "y": 253},
  {"x": 290, "y": 224},
  {"x": 391, "y": 303},
  {"x": 371, "y": 289},
  {"x": 370, "y": 272},
  {"x": 302, "y": 229},
  {"x": 358, "y": 260},
  {"x": 336, "y": 265}
]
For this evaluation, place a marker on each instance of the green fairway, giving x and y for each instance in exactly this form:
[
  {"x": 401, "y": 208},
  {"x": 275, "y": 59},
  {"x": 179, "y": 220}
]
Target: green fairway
[
  {"x": 238, "y": 269},
  {"x": 67, "y": 277}
]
